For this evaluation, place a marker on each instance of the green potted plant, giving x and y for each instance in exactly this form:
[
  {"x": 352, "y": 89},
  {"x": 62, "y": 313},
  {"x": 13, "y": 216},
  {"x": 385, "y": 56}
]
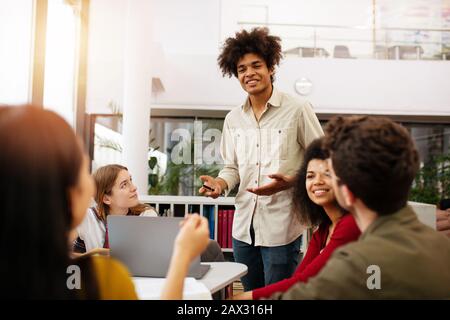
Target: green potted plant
[{"x": 432, "y": 182}]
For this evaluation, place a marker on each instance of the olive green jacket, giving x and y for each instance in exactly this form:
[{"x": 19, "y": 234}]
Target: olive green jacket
[{"x": 397, "y": 257}]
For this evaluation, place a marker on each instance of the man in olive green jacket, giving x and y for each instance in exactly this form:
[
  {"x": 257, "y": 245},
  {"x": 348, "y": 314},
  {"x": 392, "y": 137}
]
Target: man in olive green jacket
[{"x": 373, "y": 163}]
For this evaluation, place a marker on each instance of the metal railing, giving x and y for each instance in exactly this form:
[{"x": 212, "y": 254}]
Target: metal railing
[{"x": 339, "y": 41}]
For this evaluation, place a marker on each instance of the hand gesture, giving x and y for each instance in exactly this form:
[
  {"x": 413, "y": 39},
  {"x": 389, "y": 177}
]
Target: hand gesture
[
  {"x": 443, "y": 221},
  {"x": 193, "y": 236},
  {"x": 280, "y": 182},
  {"x": 211, "y": 188}
]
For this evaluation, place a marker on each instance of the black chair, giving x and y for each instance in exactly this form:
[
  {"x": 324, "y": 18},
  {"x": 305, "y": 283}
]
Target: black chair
[{"x": 213, "y": 253}]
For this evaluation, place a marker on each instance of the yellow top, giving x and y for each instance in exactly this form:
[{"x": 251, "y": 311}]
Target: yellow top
[{"x": 113, "y": 279}]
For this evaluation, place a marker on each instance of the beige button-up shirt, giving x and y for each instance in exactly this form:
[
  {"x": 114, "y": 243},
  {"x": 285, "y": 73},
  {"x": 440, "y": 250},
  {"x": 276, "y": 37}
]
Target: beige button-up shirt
[{"x": 253, "y": 150}]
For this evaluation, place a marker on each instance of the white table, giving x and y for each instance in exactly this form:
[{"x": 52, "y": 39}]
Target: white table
[
  {"x": 220, "y": 275},
  {"x": 150, "y": 289}
]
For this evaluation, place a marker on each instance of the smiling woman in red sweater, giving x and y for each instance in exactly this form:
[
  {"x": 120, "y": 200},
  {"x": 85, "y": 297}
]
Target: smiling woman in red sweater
[{"x": 316, "y": 204}]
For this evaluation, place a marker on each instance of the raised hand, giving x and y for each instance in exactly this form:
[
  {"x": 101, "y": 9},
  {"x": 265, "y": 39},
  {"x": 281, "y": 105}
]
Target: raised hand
[{"x": 193, "y": 236}]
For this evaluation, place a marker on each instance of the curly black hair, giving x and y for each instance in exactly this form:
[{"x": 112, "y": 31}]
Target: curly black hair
[
  {"x": 309, "y": 213},
  {"x": 257, "y": 41}
]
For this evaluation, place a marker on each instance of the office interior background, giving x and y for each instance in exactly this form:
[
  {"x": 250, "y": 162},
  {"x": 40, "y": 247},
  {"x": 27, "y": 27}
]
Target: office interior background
[{"x": 138, "y": 79}]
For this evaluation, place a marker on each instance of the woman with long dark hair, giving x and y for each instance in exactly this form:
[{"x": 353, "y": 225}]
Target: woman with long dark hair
[
  {"x": 45, "y": 190},
  {"x": 316, "y": 206}
]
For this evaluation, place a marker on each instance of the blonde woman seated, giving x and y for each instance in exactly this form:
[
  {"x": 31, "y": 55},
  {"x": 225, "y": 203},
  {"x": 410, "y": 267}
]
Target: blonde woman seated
[{"x": 115, "y": 195}]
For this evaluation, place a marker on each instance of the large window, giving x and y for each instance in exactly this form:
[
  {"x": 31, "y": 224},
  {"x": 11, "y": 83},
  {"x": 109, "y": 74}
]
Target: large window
[
  {"x": 15, "y": 50},
  {"x": 39, "y": 43},
  {"x": 432, "y": 140},
  {"x": 183, "y": 149},
  {"x": 60, "y": 58},
  {"x": 433, "y": 180},
  {"x": 180, "y": 151}
]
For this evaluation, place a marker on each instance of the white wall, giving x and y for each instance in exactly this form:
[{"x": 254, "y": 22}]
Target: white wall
[
  {"x": 178, "y": 26},
  {"x": 197, "y": 80},
  {"x": 187, "y": 27},
  {"x": 372, "y": 86},
  {"x": 339, "y": 85},
  {"x": 107, "y": 25},
  {"x": 190, "y": 32}
]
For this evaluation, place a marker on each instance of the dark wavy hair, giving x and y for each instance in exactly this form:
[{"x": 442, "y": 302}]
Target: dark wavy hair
[
  {"x": 375, "y": 157},
  {"x": 40, "y": 160},
  {"x": 257, "y": 41},
  {"x": 309, "y": 213}
]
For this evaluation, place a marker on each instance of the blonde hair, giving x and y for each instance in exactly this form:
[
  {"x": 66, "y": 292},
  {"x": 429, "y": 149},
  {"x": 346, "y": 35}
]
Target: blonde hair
[{"x": 104, "y": 178}]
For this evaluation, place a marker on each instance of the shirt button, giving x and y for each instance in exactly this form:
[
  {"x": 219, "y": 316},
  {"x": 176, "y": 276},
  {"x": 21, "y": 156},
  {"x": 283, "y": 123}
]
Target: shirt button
[
  {"x": 257, "y": 163},
  {"x": 257, "y": 145},
  {"x": 256, "y": 181}
]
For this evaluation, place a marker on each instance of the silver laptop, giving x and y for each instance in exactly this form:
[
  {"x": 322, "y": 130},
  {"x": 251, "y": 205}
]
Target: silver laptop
[{"x": 145, "y": 245}]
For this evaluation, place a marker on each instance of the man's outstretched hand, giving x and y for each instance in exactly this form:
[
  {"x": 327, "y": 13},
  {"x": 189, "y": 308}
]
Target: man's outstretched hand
[{"x": 280, "y": 182}]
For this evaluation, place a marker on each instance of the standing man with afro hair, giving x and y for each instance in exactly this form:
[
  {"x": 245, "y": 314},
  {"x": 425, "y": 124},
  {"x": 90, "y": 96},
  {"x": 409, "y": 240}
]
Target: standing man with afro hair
[{"x": 263, "y": 142}]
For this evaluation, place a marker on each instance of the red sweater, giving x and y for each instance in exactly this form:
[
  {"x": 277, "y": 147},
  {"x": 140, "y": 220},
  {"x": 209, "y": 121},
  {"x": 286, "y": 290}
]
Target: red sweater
[{"x": 345, "y": 231}]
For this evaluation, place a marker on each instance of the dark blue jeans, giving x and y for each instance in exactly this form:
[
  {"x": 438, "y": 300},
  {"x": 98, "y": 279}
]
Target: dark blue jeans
[{"x": 266, "y": 265}]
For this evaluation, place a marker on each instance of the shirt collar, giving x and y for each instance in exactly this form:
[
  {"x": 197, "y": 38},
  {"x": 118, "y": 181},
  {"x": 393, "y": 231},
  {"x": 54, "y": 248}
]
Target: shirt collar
[{"x": 274, "y": 101}]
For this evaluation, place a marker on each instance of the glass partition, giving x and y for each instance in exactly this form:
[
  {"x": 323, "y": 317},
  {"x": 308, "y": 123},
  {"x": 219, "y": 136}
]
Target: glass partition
[{"x": 180, "y": 150}]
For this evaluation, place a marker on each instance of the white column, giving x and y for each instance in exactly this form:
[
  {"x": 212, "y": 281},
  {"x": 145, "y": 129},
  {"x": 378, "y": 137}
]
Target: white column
[{"x": 137, "y": 90}]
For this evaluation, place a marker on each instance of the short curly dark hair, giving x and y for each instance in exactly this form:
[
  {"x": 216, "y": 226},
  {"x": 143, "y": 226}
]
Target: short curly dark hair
[
  {"x": 375, "y": 157},
  {"x": 257, "y": 41}
]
